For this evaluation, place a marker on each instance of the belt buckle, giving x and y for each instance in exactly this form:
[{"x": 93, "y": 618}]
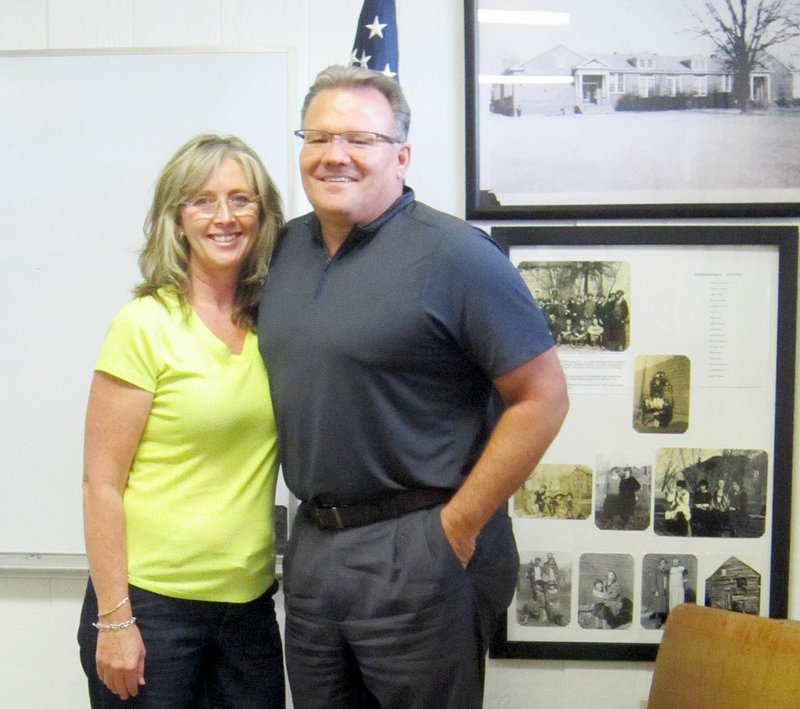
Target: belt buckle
[{"x": 328, "y": 516}]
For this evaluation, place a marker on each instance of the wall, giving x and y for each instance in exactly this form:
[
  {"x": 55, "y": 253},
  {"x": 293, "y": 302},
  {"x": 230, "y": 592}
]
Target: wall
[{"x": 38, "y": 653}]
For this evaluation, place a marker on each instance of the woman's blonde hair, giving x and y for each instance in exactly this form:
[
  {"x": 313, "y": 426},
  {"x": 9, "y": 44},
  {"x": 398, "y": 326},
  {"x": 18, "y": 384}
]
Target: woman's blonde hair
[{"x": 164, "y": 260}]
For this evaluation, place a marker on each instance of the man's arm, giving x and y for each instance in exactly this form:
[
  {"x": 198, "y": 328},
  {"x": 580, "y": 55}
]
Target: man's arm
[{"x": 535, "y": 396}]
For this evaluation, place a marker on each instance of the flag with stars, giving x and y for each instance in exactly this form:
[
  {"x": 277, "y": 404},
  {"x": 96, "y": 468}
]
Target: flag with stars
[{"x": 375, "y": 46}]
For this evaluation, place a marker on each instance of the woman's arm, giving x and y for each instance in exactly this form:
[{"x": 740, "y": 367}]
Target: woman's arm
[{"x": 115, "y": 418}]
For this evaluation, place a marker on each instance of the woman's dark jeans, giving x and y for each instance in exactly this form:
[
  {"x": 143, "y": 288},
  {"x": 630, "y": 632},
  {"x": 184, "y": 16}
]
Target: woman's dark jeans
[{"x": 200, "y": 654}]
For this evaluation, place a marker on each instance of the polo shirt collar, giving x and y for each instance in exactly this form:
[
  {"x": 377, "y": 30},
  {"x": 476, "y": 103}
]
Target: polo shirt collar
[{"x": 362, "y": 234}]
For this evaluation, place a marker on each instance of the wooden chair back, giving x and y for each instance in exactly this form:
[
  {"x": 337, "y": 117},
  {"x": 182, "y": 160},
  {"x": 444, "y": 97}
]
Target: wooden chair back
[{"x": 718, "y": 659}]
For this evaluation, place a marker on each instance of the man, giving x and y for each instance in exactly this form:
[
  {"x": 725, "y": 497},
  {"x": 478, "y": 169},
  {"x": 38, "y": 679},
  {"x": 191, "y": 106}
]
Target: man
[
  {"x": 539, "y": 499},
  {"x": 535, "y": 574},
  {"x": 659, "y": 592},
  {"x": 391, "y": 332},
  {"x": 618, "y": 321},
  {"x": 628, "y": 488},
  {"x": 737, "y": 511}
]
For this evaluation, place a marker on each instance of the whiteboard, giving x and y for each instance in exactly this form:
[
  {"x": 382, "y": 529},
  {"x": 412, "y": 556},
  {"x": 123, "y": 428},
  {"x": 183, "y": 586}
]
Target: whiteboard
[{"x": 83, "y": 136}]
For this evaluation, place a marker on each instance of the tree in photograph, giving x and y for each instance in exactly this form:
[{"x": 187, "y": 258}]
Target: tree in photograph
[
  {"x": 584, "y": 273},
  {"x": 743, "y": 31}
]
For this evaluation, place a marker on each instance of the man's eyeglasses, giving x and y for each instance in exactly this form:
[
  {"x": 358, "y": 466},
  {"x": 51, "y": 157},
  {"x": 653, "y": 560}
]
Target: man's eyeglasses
[
  {"x": 352, "y": 140},
  {"x": 240, "y": 205}
]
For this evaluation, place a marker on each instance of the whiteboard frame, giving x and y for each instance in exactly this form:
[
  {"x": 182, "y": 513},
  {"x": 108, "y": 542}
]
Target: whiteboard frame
[{"x": 60, "y": 549}]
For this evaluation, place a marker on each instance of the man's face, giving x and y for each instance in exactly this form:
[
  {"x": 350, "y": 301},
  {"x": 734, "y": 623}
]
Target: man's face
[{"x": 344, "y": 185}]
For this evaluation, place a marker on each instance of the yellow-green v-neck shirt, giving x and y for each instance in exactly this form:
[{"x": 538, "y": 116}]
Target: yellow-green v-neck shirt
[{"x": 201, "y": 489}]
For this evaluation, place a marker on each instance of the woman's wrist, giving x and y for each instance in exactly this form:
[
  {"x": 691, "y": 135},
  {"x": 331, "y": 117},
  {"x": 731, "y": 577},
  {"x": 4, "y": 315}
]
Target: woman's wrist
[
  {"x": 110, "y": 611},
  {"x": 114, "y": 627}
]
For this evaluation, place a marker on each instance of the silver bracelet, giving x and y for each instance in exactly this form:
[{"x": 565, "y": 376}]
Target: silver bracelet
[{"x": 104, "y": 627}]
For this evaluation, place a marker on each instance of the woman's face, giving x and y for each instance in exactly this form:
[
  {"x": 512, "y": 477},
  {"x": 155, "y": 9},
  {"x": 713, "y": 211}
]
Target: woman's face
[{"x": 218, "y": 242}]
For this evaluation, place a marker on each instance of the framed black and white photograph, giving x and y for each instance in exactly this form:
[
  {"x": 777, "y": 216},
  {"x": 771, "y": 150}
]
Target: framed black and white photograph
[
  {"x": 670, "y": 480},
  {"x": 632, "y": 108}
]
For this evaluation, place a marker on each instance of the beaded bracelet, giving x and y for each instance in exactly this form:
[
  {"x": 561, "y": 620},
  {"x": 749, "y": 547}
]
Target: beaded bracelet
[
  {"x": 104, "y": 627},
  {"x": 115, "y": 608}
]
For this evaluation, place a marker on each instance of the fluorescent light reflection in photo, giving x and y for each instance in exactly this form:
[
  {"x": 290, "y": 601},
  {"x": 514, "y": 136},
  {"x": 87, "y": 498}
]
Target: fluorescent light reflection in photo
[
  {"x": 522, "y": 17},
  {"x": 515, "y": 79}
]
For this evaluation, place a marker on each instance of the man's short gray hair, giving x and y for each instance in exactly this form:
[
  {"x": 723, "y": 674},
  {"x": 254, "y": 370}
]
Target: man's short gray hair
[{"x": 354, "y": 77}]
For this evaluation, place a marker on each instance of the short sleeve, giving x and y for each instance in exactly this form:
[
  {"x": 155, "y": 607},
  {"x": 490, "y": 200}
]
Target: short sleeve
[
  {"x": 131, "y": 348},
  {"x": 482, "y": 300}
]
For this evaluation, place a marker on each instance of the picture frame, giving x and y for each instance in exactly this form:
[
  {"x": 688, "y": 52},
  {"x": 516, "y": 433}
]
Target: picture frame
[
  {"x": 696, "y": 385},
  {"x": 582, "y": 117}
]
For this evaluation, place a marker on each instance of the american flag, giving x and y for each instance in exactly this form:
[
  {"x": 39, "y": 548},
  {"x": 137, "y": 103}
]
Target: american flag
[{"x": 375, "y": 46}]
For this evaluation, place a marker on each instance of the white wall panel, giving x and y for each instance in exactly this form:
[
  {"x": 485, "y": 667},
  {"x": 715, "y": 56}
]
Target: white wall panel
[
  {"x": 26, "y": 676},
  {"x": 331, "y": 31},
  {"x": 248, "y": 23},
  {"x": 66, "y": 676},
  {"x": 23, "y": 24},
  {"x": 431, "y": 37},
  {"x": 88, "y": 24},
  {"x": 176, "y": 23},
  {"x": 277, "y": 23}
]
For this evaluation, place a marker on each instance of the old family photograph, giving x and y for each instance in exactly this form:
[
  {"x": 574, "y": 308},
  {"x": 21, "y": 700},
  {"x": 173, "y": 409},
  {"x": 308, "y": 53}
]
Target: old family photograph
[
  {"x": 640, "y": 500},
  {"x": 610, "y": 597},
  {"x": 691, "y": 494}
]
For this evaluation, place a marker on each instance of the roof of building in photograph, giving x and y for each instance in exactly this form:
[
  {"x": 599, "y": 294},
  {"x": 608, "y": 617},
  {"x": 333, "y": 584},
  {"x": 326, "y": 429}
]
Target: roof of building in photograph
[{"x": 563, "y": 61}]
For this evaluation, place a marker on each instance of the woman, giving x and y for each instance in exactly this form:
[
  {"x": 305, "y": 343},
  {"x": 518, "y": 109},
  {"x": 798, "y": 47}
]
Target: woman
[
  {"x": 599, "y": 598},
  {"x": 677, "y": 584},
  {"x": 678, "y": 515},
  {"x": 617, "y": 606},
  {"x": 180, "y": 454}
]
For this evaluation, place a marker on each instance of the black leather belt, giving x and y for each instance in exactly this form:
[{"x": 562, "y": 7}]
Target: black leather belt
[{"x": 394, "y": 504}]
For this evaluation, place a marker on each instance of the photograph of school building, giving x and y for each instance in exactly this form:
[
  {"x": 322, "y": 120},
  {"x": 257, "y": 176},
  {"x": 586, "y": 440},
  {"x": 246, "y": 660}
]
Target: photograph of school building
[{"x": 562, "y": 80}]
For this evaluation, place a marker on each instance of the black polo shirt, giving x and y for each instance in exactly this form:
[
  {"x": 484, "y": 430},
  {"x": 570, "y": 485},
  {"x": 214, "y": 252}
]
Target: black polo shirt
[{"x": 380, "y": 359}]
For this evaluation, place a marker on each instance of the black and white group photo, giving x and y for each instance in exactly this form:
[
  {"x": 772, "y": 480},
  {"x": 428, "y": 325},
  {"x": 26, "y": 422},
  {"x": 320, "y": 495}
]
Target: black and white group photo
[
  {"x": 555, "y": 491},
  {"x": 667, "y": 581},
  {"x": 710, "y": 493},
  {"x": 606, "y": 591},
  {"x": 544, "y": 589},
  {"x": 586, "y": 303},
  {"x": 622, "y": 497}
]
